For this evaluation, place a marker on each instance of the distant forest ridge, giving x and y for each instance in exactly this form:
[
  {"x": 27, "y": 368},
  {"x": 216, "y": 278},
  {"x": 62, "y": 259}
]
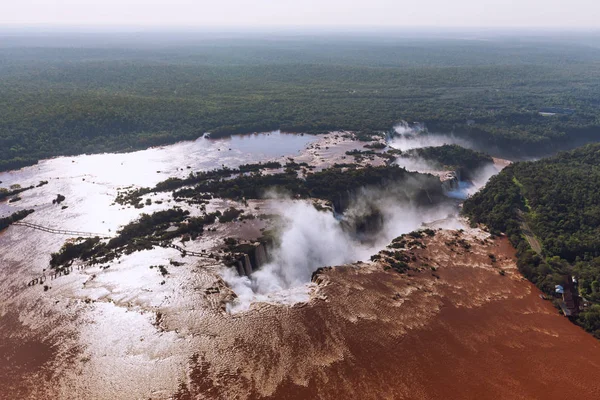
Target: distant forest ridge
[{"x": 512, "y": 97}]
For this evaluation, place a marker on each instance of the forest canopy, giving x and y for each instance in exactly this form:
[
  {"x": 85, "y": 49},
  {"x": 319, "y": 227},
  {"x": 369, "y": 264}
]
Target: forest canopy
[
  {"x": 452, "y": 157},
  {"x": 559, "y": 199},
  {"x": 517, "y": 98}
]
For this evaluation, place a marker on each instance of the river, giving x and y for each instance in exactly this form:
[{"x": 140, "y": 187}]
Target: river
[
  {"x": 125, "y": 330},
  {"x": 50, "y": 337}
]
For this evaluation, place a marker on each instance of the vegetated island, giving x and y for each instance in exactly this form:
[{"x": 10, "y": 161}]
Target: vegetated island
[
  {"x": 334, "y": 185},
  {"x": 464, "y": 162}
]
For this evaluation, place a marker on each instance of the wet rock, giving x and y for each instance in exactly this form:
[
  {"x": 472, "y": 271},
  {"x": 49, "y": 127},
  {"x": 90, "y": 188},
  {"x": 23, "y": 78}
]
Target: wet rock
[{"x": 247, "y": 265}]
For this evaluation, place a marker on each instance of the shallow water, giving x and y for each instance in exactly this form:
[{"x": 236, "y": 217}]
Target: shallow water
[
  {"x": 90, "y": 182},
  {"x": 100, "y": 320},
  {"x": 103, "y": 320}
]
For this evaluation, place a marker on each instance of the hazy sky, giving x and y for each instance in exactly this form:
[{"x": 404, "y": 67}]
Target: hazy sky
[{"x": 243, "y": 13}]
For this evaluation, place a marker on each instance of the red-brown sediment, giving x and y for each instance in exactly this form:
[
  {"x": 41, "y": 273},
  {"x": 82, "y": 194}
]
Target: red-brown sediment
[{"x": 453, "y": 327}]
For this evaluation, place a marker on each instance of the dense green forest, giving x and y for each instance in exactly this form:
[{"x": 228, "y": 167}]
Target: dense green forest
[
  {"x": 452, "y": 157},
  {"x": 559, "y": 200},
  {"x": 334, "y": 184},
  {"x": 64, "y": 96}
]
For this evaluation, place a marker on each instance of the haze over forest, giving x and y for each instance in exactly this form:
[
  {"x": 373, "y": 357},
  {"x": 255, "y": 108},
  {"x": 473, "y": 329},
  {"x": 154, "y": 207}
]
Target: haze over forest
[
  {"x": 328, "y": 13},
  {"x": 299, "y": 200}
]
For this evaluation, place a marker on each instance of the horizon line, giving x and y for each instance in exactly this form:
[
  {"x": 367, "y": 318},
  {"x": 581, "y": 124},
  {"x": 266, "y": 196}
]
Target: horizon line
[{"x": 130, "y": 28}]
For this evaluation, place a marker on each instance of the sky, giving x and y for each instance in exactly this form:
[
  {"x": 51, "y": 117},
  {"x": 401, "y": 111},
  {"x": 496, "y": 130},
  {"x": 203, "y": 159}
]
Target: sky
[{"x": 298, "y": 13}]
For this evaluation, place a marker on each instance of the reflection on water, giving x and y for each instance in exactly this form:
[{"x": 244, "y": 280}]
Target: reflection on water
[
  {"x": 90, "y": 182},
  {"x": 111, "y": 317},
  {"x": 272, "y": 145},
  {"x": 140, "y": 167},
  {"x": 87, "y": 314}
]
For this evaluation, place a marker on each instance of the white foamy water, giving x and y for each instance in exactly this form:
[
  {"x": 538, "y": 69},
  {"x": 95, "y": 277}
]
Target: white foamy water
[
  {"x": 414, "y": 137},
  {"x": 104, "y": 319},
  {"x": 90, "y": 182},
  {"x": 312, "y": 239}
]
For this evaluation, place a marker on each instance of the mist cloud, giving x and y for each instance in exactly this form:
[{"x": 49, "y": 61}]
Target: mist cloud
[
  {"x": 310, "y": 239},
  {"x": 417, "y": 164},
  {"x": 408, "y": 137},
  {"x": 480, "y": 178}
]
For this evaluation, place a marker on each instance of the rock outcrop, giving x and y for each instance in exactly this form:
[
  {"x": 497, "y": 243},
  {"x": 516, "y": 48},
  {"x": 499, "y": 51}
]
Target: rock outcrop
[
  {"x": 450, "y": 181},
  {"x": 252, "y": 258}
]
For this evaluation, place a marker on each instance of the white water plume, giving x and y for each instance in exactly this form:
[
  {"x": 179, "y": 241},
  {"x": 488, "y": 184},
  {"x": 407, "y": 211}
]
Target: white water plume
[
  {"x": 477, "y": 182},
  {"x": 417, "y": 164},
  {"x": 409, "y": 137},
  {"x": 404, "y": 128},
  {"x": 311, "y": 239},
  {"x": 398, "y": 217}
]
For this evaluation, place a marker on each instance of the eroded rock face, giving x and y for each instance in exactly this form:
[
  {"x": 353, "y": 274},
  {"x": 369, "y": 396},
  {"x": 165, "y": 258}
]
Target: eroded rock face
[
  {"x": 240, "y": 268},
  {"x": 450, "y": 181},
  {"x": 260, "y": 255},
  {"x": 247, "y": 265},
  {"x": 255, "y": 257},
  {"x": 457, "y": 323}
]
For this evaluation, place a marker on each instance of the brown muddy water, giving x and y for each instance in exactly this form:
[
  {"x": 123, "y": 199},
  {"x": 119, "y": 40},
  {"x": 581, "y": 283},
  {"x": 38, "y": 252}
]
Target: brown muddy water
[
  {"x": 127, "y": 331},
  {"x": 96, "y": 333}
]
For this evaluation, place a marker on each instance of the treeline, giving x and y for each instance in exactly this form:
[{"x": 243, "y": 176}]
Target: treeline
[
  {"x": 133, "y": 197},
  {"x": 335, "y": 184},
  {"x": 65, "y": 103},
  {"x": 15, "y": 217},
  {"x": 559, "y": 198},
  {"x": 452, "y": 157}
]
